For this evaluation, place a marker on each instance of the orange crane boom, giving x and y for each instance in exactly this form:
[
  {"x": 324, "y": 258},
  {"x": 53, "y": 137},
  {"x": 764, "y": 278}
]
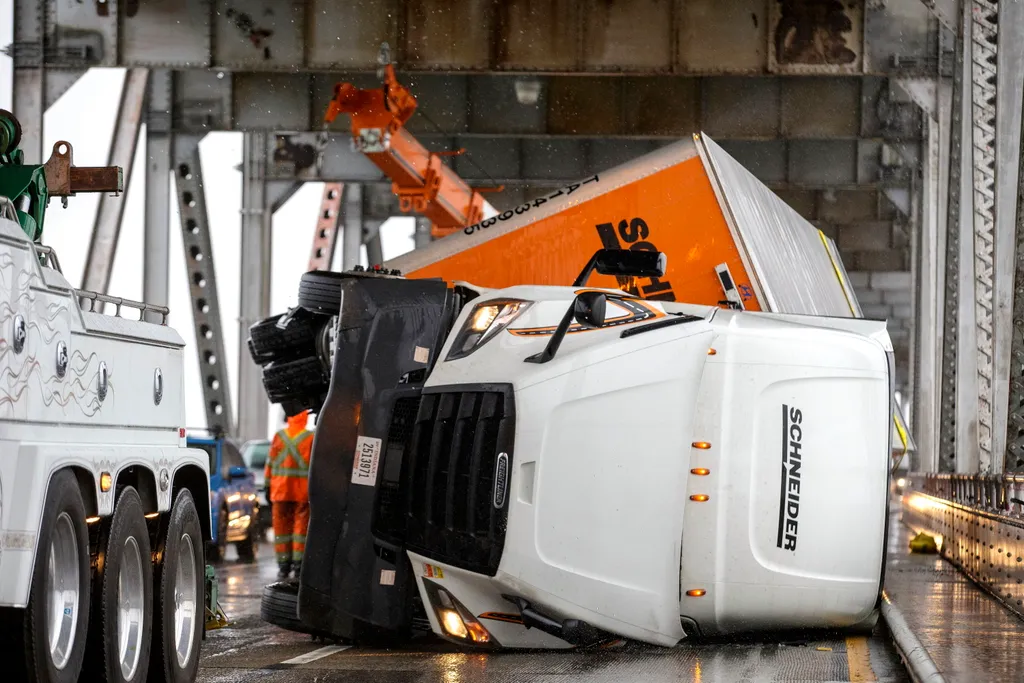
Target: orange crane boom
[{"x": 423, "y": 183}]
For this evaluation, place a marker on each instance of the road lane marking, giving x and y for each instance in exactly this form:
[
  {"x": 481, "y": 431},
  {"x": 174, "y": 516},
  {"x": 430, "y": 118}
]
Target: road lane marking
[
  {"x": 858, "y": 660},
  {"x": 316, "y": 654}
]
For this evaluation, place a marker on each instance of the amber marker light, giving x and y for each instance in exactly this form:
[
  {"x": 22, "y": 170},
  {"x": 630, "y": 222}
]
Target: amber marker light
[
  {"x": 106, "y": 482},
  {"x": 702, "y": 445},
  {"x": 696, "y": 592},
  {"x": 712, "y": 352},
  {"x": 700, "y": 471},
  {"x": 700, "y": 497}
]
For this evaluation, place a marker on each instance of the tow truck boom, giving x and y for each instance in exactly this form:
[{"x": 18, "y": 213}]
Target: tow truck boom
[{"x": 423, "y": 183}]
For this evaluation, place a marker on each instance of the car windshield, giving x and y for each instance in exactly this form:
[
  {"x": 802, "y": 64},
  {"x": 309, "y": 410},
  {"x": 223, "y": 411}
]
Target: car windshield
[{"x": 255, "y": 454}]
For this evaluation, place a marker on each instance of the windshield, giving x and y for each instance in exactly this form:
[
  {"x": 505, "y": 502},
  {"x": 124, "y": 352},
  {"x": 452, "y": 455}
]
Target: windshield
[{"x": 255, "y": 454}]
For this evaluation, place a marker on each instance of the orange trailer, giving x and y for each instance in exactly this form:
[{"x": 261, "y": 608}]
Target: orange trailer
[{"x": 728, "y": 238}]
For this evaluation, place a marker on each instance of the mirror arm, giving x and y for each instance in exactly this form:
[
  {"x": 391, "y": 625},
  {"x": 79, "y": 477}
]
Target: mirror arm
[
  {"x": 556, "y": 339},
  {"x": 581, "y": 279}
]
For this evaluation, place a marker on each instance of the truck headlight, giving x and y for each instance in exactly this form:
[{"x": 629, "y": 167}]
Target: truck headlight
[
  {"x": 457, "y": 621},
  {"x": 485, "y": 321}
]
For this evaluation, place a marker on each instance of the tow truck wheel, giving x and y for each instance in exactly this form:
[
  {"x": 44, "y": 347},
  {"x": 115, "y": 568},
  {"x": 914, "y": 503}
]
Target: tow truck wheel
[
  {"x": 122, "y": 597},
  {"x": 53, "y": 629},
  {"x": 178, "y": 608}
]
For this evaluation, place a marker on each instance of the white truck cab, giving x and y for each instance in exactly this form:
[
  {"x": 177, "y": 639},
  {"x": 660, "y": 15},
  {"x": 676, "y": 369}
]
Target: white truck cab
[{"x": 671, "y": 470}]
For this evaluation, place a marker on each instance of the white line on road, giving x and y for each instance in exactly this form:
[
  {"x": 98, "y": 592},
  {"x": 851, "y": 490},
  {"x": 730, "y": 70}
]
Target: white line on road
[{"x": 316, "y": 654}]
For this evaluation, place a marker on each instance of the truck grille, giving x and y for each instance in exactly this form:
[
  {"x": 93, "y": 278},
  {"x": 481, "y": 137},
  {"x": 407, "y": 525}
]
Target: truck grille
[{"x": 460, "y": 444}]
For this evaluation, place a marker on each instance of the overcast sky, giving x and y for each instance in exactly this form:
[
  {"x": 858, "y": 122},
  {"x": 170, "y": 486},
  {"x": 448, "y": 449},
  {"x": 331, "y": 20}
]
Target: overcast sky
[{"x": 84, "y": 116}]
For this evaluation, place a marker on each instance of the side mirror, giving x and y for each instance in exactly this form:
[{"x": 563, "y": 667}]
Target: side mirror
[
  {"x": 588, "y": 309},
  {"x": 624, "y": 263},
  {"x": 238, "y": 472}
]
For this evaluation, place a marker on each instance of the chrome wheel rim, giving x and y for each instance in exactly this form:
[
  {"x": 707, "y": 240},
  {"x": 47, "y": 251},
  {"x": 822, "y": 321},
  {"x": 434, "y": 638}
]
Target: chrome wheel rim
[
  {"x": 130, "y": 607},
  {"x": 185, "y": 600},
  {"x": 62, "y": 588}
]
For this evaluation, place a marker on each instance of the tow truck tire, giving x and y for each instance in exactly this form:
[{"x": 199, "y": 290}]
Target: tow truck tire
[
  {"x": 122, "y": 597},
  {"x": 320, "y": 291},
  {"x": 179, "y": 572},
  {"x": 63, "y": 535}
]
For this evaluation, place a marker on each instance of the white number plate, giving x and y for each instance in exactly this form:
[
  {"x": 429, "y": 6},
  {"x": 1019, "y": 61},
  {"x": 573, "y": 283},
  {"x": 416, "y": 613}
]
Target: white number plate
[{"x": 364, "y": 465}]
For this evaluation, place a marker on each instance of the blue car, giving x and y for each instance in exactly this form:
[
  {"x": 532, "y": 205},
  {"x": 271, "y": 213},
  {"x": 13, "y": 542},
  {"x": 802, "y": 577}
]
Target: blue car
[{"x": 234, "y": 507}]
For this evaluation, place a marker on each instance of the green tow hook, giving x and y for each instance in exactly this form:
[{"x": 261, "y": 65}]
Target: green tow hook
[{"x": 215, "y": 617}]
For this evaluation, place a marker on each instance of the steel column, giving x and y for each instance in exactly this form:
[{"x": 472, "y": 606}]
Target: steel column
[
  {"x": 946, "y": 460},
  {"x": 968, "y": 450},
  {"x": 984, "y": 27},
  {"x": 926, "y": 337},
  {"x": 29, "y": 87},
  {"x": 202, "y": 283},
  {"x": 421, "y": 237},
  {"x": 254, "y": 299},
  {"x": 157, "y": 225},
  {"x": 326, "y": 228},
  {"x": 106, "y": 230},
  {"x": 1008, "y": 401},
  {"x": 352, "y": 228}
]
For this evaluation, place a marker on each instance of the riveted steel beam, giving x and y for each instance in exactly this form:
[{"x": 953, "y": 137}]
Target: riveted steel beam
[
  {"x": 202, "y": 283},
  {"x": 99, "y": 261}
]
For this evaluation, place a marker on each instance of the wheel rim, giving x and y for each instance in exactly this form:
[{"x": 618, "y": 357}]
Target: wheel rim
[
  {"x": 62, "y": 583},
  {"x": 185, "y": 600},
  {"x": 131, "y": 597}
]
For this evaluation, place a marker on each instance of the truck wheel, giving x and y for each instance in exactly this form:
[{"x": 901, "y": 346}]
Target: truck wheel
[
  {"x": 299, "y": 380},
  {"x": 123, "y": 597},
  {"x": 247, "y": 548},
  {"x": 280, "y": 607},
  {"x": 55, "y": 624},
  {"x": 320, "y": 291},
  {"x": 297, "y": 339},
  {"x": 178, "y": 607},
  {"x": 218, "y": 550}
]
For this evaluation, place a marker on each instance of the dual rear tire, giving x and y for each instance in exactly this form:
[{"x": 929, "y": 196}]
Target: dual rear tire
[{"x": 134, "y": 616}]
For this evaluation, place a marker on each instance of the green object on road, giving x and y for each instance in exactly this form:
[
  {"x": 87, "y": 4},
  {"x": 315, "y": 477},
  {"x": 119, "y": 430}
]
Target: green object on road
[
  {"x": 923, "y": 543},
  {"x": 215, "y": 617}
]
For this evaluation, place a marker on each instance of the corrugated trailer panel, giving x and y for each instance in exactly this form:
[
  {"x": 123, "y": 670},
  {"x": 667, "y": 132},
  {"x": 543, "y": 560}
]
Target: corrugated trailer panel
[{"x": 790, "y": 261}]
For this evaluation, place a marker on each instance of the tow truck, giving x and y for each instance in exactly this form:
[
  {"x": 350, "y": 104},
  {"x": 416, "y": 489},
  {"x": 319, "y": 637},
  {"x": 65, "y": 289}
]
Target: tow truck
[{"x": 104, "y": 511}]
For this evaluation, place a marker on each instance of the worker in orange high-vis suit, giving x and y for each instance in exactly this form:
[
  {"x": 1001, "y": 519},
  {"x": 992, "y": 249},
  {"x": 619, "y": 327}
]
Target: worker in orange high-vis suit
[{"x": 287, "y": 470}]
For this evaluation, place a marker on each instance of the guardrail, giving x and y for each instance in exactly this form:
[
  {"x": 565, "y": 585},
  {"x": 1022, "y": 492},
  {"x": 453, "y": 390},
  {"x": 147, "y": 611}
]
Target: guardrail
[
  {"x": 95, "y": 297},
  {"x": 978, "y": 523},
  {"x": 998, "y": 493}
]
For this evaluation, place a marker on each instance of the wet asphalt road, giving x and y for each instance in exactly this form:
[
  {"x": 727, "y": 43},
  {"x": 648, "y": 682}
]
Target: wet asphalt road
[{"x": 252, "y": 651}]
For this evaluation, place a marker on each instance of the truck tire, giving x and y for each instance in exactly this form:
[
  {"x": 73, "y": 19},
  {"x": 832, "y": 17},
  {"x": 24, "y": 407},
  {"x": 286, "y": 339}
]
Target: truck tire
[
  {"x": 280, "y": 607},
  {"x": 247, "y": 548},
  {"x": 297, "y": 339},
  {"x": 179, "y": 572},
  {"x": 122, "y": 615},
  {"x": 63, "y": 536},
  {"x": 320, "y": 291},
  {"x": 303, "y": 380}
]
